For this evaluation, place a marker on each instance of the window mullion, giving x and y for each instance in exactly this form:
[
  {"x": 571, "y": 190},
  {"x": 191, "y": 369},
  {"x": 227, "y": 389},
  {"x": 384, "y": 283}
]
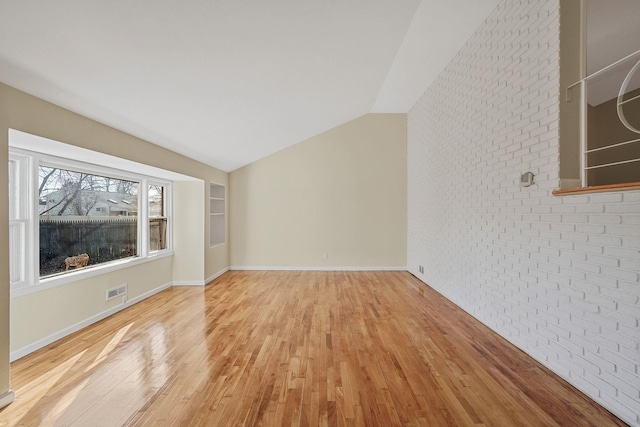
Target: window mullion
[
  {"x": 143, "y": 218},
  {"x": 32, "y": 261}
]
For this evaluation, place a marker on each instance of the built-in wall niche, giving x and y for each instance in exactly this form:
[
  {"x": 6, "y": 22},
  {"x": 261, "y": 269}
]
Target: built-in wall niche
[{"x": 217, "y": 221}]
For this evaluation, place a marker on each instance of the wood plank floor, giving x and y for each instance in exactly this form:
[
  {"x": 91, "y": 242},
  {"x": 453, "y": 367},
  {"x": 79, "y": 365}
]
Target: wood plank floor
[{"x": 292, "y": 348}]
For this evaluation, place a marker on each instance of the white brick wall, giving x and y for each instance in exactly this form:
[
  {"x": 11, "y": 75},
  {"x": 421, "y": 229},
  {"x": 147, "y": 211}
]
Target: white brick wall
[{"x": 557, "y": 276}]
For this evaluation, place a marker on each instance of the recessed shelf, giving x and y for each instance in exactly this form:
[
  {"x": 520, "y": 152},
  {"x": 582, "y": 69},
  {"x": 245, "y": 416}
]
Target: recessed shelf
[{"x": 217, "y": 217}]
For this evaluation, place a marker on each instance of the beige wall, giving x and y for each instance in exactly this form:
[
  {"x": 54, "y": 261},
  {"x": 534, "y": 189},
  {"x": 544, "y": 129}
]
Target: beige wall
[
  {"x": 343, "y": 193},
  {"x": 4, "y": 247},
  {"x": 39, "y": 315},
  {"x": 43, "y": 314},
  {"x": 188, "y": 266}
]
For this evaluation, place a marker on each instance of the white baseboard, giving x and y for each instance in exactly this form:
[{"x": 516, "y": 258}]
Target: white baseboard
[
  {"x": 189, "y": 283},
  {"x": 315, "y": 268},
  {"x": 36, "y": 345},
  {"x": 202, "y": 282},
  {"x": 6, "y": 398},
  {"x": 218, "y": 274}
]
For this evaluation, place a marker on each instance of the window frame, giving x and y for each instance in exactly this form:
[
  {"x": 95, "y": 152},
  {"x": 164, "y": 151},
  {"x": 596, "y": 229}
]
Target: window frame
[
  {"x": 167, "y": 210},
  {"x": 20, "y": 212},
  {"x": 27, "y": 186}
]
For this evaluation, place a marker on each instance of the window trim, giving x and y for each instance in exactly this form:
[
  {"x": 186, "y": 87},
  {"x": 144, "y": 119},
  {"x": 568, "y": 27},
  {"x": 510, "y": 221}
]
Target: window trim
[{"x": 27, "y": 182}]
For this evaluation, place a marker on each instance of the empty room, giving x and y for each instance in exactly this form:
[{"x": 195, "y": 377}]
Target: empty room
[{"x": 353, "y": 213}]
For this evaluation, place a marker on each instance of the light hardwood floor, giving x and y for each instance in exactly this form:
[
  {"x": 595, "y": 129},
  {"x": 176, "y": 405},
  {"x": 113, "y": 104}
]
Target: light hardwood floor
[{"x": 292, "y": 348}]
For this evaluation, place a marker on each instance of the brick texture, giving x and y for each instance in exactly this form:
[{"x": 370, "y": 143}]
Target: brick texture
[{"x": 557, "y": 276}]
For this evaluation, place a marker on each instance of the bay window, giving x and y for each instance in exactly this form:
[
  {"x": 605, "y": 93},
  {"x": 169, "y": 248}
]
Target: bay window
[{"x": 68, "y": 217}]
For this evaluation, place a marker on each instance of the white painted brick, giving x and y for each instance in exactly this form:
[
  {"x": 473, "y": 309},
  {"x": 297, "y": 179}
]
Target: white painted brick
[
  {"x": 631, "y": 242},
  {"x": 630, "y": 276},
  {"x": 575, "y": 219},
  {"x": 575, "y": 237},
  {"x": 556, "y": 225},
  {"x": 586, "y": 248},
  {"x": 562, "y": 353},
  {"x": 600, "y": 301},
  {"x": 625, "y": 412},
  {"x": 558, "y": 276},
  {"x": 628, "y": 309},
  {"x": 609, "y": 198},
  {"x": 623, "y": 230},
  {"x": 630, "y": 264},
  {"x": 631, "y": 196},
  {"x": 580, "y": 382},
  {"x": 603, "y": 260},
  {"x": 629, "y": 351},
  {"x": 599, "y": 382},
  {"x": 605, "y": 219},
  {"x": 565, "y": 209},
  {"x": 605, "y": 241},
  {"x": 562, "y": 262},
  {"x": 626, "y": 385},
  {"x": 590, "y": 229},
  {"x": 628, "y": 286},
  {"x": 573, "y": 255},
  {"x": 574, "y": 200},
  {"x": 633, "y": 403},
  {"x": 621, "y": 316},
  {"x": 602, "y": 281},
  {"x": 591, "y": 208},
  {"x": 632, "y": 208},
  {"x": 553, "y": 332}
]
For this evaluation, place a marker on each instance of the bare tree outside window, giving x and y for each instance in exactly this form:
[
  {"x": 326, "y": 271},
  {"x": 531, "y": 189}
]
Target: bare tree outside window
[{"x": 82, "y": 213}]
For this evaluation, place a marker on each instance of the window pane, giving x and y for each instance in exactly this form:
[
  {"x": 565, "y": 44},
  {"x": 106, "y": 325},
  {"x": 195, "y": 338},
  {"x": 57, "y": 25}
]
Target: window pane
[
  {"x": 17, "y": 253},
  {"x": 18, "y": 220},
  {"x": 14, "y": 194},
  {"x": 157, "y": 218},
  {"x": 85, "y": 219}
]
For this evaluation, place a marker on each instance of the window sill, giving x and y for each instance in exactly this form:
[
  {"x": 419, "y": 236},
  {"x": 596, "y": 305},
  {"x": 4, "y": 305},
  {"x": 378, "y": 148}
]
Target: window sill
[
  {"x": 83, "y": 274},
  {"x": 598, "y": 189}
]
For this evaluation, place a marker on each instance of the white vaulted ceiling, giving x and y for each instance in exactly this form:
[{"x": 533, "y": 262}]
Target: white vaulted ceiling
[{"x": 229, "y": 82}]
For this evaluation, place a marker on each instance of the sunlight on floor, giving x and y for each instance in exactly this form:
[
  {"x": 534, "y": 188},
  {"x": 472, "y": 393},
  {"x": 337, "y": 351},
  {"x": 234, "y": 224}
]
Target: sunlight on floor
[
  {"x": 63, "y": 403},
  {"x": 39, "y": 387},
  {"x": 109, "y": 347}
]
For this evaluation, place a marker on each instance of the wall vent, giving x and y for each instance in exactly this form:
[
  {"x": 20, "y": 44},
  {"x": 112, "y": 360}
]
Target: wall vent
[{"x": 116, "y": 292}]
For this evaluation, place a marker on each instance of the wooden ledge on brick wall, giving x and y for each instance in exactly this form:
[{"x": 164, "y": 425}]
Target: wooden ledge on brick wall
[{"x": 598, "y": 189}]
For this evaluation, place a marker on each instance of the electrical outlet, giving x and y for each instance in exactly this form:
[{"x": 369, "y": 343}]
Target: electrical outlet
[{"x": 325, "y": 256}]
